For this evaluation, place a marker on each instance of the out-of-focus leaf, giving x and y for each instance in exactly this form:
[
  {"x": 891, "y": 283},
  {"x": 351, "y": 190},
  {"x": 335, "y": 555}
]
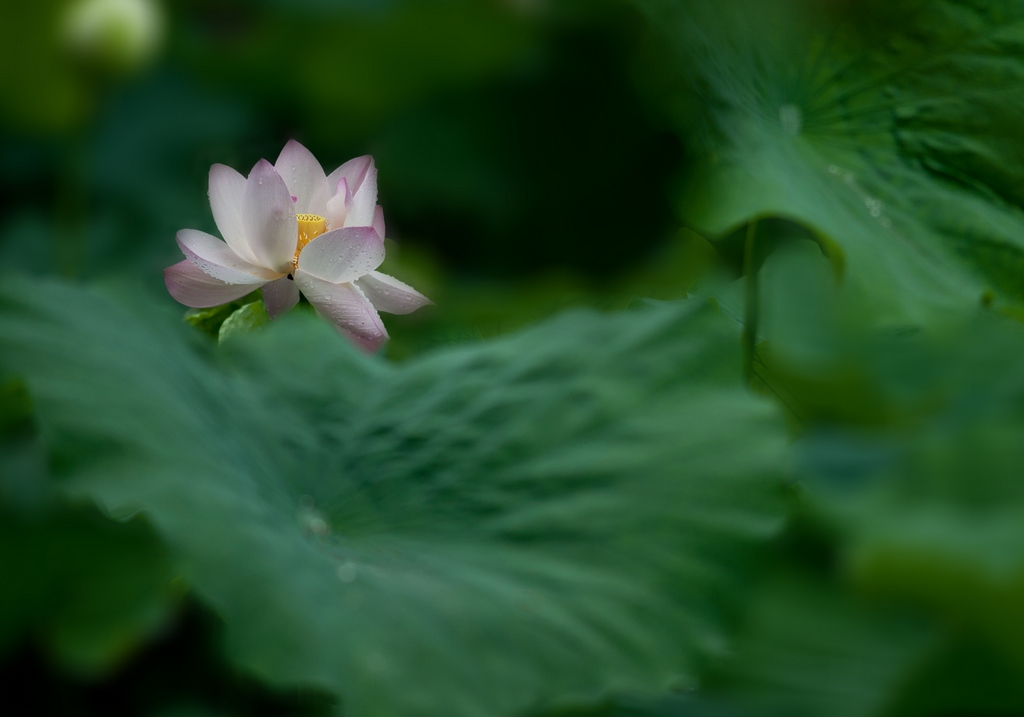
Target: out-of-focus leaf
[
  {"x": 15, "y": 408},
  {"x": 407, "y": 51},
  {"x": 902, "y": 148},
  {"x": 146, "y": 171},
  {"x": 179, "y": 671},
  {"x": 460, "y": 170},
  {"x": 210, "y": 320},
  {"x": 932, "y": 504},
  {"x": 244, "y": 320},
  {"x": 189, "y": 711},
  {"x": 541, "y": 518},
  {"x": 669, "y": 705},
  {"x": 23, "y": 481},
  {"x": 798, "y": 305},
  {"x": 469, "y": 310},
  {"x": 963, "y": 678},
  {"x": 807, "y": 650},
  {"x": 45, "y": 94},
  {"x": 809, "y": 647},
  {"x": 89, "y": 590}
]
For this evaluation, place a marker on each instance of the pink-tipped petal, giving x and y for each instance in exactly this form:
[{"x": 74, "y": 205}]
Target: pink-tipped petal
[
  {"x": 192, "y": 286},
  {"x": 304, "y": 178},
  {"x": 343, "y": 254},
  {"x": 269, "y": 217},
  {"x": 345, "y": 306},
  {"x": 369, "y": 345},
  {"x": 353, "y": 172},
  {"x": 378, "y": 221},
  {"x": 280, "y": 296},
  {"x": 388, "y": 294},
  {"x": 227, "y": 194},
  {"x": 362, "y": 207},
  {"x": 217, "y": 259},
  {"x": 337, "y": 206}
]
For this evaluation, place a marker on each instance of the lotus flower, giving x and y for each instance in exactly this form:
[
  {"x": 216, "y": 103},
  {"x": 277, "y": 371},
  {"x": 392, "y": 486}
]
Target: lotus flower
[{"x": 289, "y": 228}]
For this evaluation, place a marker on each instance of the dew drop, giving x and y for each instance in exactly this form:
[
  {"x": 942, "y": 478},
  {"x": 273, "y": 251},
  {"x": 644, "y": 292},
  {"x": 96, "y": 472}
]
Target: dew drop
[
  {"x": 318, "y": 526},
  {"x": 792, "y": 119},
  {"x": 347, "y": 571}
]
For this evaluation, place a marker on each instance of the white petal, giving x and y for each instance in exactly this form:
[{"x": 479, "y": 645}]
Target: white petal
[
  {"x": 353, "y": 172},
  {"x": 363, "y": 206},
  {"x": 304, "y": 178},
  {"x": 192, "y": 286},
  {"x": 337, "y": 206},
  {"x": 280, "y": 296},
  {"x": 343, "y": 254},
  {"x": 269, "y": 218},
  {"x": 345, "y": 306},
  {"x": 227, "y": 194},
  {"x": 378, "y": 221},
  {"x": 387, "y": 293},
  {"x": 217, "y": 259}
]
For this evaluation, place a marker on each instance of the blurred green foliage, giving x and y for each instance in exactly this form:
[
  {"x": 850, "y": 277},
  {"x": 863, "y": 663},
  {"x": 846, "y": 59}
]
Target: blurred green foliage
[
  {"x": 563, "y": 508},
  {"x": 718, "y": 411}
]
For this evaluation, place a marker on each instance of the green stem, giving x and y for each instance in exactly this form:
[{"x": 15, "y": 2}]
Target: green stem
[
  {"x": 70, "y": 249},
  {"x": 751, "y": 304}
]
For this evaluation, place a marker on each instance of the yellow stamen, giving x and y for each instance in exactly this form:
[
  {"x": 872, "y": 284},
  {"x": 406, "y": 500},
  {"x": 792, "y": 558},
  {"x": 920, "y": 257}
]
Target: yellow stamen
[{"x": 310, "y": 227}]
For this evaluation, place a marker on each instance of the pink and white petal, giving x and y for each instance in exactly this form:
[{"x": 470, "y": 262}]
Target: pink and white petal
[
  {"x": 363, "y": 206},
  {"x": 192, "y": 286},
  {"x": 227, "y": 193},
  {"x": 217, "y": 259},
  {"x": 378, "y": 221},
  {"x": 337, "y": 206},
  {"x": 343, "y": 254},
  {"x": 353, "y": 172},
  {"x": 304, "y": 178},
  {"x": 269, "y": 217},
  {"x": 280, "y": 296},
  {"x": 345, "y": 306},
  {"x": 369, "y": 345},
  {"x": 388, "y": 294}
]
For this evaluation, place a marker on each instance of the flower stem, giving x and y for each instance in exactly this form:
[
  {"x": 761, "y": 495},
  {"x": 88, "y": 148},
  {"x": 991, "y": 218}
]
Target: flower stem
[{"x": 750, "y": 270}]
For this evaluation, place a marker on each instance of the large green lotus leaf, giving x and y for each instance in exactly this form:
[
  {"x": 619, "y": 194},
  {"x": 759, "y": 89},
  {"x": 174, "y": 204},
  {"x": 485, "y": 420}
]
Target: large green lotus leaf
[
  {"x": 898, "y": 141},
  {"x": 550, "y": 516}
]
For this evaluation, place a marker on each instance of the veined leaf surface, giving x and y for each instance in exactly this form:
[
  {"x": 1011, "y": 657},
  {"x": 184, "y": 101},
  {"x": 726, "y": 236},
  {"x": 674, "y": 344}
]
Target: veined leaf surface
[{"x": 482, "y": 531}]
